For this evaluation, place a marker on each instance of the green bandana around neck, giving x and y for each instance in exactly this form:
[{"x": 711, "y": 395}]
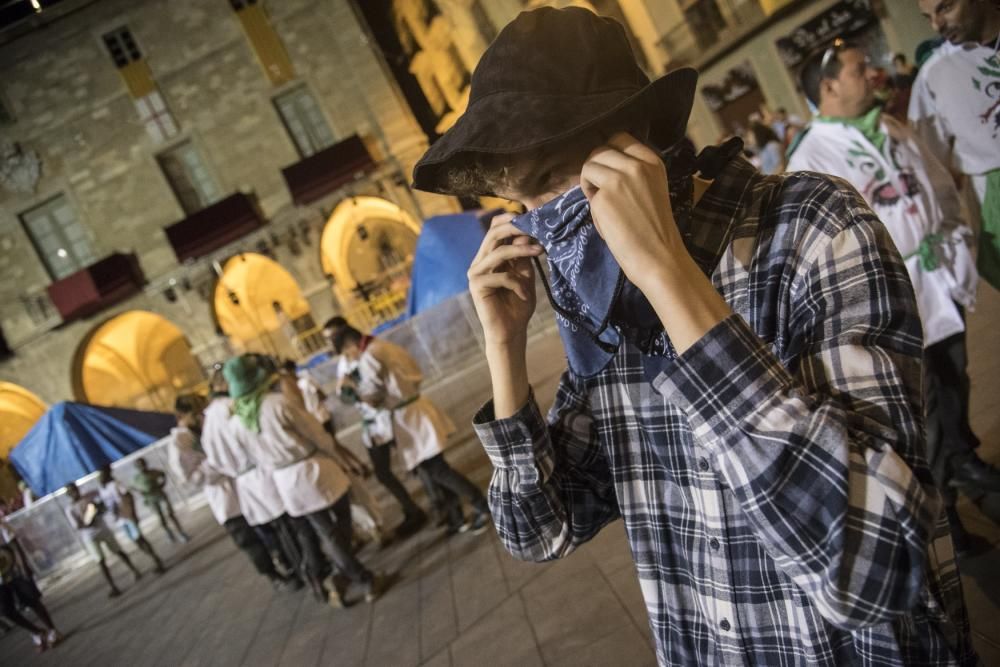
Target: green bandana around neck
[
  {"x": 247, "y": 407},
  {"x": 869, "y": 124}
]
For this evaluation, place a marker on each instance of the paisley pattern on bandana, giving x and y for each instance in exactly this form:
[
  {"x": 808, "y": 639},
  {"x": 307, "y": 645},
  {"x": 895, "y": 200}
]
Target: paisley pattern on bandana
[{"x": 595, "y": 305}]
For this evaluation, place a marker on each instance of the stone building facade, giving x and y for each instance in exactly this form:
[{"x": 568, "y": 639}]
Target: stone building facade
[{"x": 70, "y": 105}]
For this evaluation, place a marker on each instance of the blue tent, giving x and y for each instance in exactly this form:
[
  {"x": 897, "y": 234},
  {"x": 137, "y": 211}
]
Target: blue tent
[
  {"x": 74, "y": 439},
  {"x": 445, "y": 248}
]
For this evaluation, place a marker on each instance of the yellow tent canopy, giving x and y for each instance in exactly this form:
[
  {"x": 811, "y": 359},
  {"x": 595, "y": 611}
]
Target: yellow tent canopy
[{"x": 19, "y": 410}]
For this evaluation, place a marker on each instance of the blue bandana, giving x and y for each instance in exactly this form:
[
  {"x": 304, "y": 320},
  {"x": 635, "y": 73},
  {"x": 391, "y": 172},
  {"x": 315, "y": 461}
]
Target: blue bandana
[{"x": 596, "y": 306}]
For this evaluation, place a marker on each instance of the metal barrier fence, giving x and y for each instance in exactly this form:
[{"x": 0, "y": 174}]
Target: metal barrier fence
[
  {"x": 50, "y": 541},
  {"x": 443, "y": 340}
]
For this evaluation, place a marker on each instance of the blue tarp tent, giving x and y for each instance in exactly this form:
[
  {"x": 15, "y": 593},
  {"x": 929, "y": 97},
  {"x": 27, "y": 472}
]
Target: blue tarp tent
[
  {"x": 74, "y": 439},
  {"x": 445, "y": 248}
]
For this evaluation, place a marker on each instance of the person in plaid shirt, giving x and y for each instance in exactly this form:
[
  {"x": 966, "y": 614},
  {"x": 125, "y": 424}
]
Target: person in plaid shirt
[{"x": 744, "y": 366}]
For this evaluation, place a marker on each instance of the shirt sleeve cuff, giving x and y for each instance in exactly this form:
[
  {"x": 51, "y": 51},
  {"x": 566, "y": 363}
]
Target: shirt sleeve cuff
[
  {"x": 723, "y": 379},
  {"x": 510, "y": 442}
]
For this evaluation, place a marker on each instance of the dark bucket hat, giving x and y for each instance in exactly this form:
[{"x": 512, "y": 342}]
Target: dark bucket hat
[{"x": 550, "y": 74}]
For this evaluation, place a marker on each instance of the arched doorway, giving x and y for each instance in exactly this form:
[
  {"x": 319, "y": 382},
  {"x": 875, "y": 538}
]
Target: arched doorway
[
  {"x": 135, "y": 360},
  {"x": 245, "y": 296},
  {"x": 19, "y": 410},
  {"x": 367, "y": 246}
]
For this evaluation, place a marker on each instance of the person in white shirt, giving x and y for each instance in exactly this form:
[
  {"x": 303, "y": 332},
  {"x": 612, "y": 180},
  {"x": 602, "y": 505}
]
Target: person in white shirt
[
  {"x": 387, "y": 378},
  {"x": 915, "y": 197},
  {"x": 955, "y": 107},
  {"x": 365, "y": 511},
  {"x": 84, "y": 514},
  {"x": 281, "y": 438},
  {"x": 379, "y": 440},
  {"x": 257, "y": 497},
  {"x": 188, "y": 461},
  {"x": 120, "y": 502}
]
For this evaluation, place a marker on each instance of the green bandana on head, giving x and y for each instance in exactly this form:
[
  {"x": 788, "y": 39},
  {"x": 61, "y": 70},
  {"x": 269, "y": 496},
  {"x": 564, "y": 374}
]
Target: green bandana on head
[{"x": 248, "y": 384}]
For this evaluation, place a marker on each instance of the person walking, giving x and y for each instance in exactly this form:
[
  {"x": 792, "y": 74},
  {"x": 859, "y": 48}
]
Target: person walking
[
  {"x": 378, "y": 437},
  {"x": 18, "y": 591},
  {"x": 259, "y": 503},
  {"x": 387, "y": 379},
  {"x": 281, "y": 438},
  {"x": 120, "y": 503},
  {"x": 151, "y": 483},
  {"x": 85, "y": 514}
]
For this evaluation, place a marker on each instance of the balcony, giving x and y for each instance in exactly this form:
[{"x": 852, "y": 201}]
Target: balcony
[
  {"x": 97, "y": 287},
  {"x": 318, "y": 175},
  {"x": 215, "y": 226},
  {"x": 712, "y": 28}
]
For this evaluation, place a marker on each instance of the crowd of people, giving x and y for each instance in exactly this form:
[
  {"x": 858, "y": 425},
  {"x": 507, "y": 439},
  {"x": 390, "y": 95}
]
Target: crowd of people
[
  {"x": 263, "y": 447},
  {"x": 766, "y": 372}
]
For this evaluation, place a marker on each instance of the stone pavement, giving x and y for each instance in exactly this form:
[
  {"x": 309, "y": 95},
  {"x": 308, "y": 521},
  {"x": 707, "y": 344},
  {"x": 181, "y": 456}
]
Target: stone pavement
[{"x": 459, "y": 601}]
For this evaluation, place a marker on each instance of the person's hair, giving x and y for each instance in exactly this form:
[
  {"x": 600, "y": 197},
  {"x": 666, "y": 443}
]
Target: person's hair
[
  {"x": 345, "y": 335},
  {"x": 899, "y": 58},
  {"x": 335, "y": 322},
  {"x": 104, "y": 472},
  {"x": 140, "y": 462},
  {"x": 71, "y": 485},
  {"x": 187, "y": 404},
  {"x": 476, "y": 174},
  {"x": 781, "y": 111},
  {"x": 763, "y": 135},
  {"x": 288, "y": 365},
  {"x": 814, "y": 72}
]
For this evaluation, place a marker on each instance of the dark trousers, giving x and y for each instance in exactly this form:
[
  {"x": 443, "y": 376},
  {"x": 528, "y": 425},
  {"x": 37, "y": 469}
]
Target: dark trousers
[
  {"x": 22, "y": 590},
  {"x": 381, "y": 457},
  {"x": 164, "y": 510},
  {"x": 247, "y": 540},
  {"x": 450, "y": 487},
  {"x": 332, "y": 526},
  {"x": 950, "y": 439}
]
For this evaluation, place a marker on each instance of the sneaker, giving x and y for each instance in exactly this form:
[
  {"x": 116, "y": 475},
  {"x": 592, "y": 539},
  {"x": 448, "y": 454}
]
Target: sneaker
[
  {"x": 159, "y": 569},
  {"x": 375, "y": 587},
  {"x": 53, "y": 637},
  {"x": 39, "y": 642},
  {"x": 479, "y": 523},
  {"x": 114, "y": 592}
]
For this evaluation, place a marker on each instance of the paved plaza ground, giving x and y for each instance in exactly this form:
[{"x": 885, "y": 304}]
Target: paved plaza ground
[{"x": 459, "y": 601}]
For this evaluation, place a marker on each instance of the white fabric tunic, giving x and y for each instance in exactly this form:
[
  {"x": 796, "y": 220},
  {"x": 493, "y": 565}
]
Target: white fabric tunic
[
  {"x": 293, "y": 447},
  {"x": 914, "y": 196},
  {"x": 258, "y": 497},
  {"x": 390, "y": 381},
  {"x": 955, "y": 108},
  {"x": 193, "y": 466}
]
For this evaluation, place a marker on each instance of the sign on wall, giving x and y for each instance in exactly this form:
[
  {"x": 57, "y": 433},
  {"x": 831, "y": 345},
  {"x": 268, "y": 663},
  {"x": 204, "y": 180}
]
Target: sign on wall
[
  {"x": 840, "y": 20},
  {"x": 739, "y": 81}
]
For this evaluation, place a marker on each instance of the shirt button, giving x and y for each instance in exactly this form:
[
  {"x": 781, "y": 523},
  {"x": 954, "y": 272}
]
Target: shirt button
[
  {"x": 703, "y": 465},
  {"x": 725, "y": 625},
  {"x": 714, "y": 543}
]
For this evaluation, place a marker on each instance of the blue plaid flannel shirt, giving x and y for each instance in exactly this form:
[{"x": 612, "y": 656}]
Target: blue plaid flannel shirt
[{"x": 789, "y": 516}]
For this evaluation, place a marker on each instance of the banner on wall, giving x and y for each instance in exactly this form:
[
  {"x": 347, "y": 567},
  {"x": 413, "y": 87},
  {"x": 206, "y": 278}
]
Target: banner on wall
[
  {"x": 843, "y": 19},
  {"x": 739, "y": 81}
]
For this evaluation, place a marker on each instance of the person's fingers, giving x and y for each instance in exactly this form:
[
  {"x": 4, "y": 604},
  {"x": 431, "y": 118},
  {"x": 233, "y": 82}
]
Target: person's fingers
[
  {"x": 631, "y": 146},
  {"x": 496, "y": 236},
  {"x": 498, "y": 257},
  {"x": 494, "y": 281},
  {"x": 596, "y": 175}
]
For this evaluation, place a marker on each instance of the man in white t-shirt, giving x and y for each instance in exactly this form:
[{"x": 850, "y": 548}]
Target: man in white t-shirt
[
  {"x": 955, "y": 107},
  {"x": 84, "y": 514}
]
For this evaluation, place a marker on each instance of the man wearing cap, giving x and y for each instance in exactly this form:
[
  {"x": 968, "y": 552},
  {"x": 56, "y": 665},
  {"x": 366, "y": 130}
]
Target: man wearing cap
[
  {"x": 915, "y": 197},
  {"x": 744, "y": 366},
  {"x": 284, "y": 440}
]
